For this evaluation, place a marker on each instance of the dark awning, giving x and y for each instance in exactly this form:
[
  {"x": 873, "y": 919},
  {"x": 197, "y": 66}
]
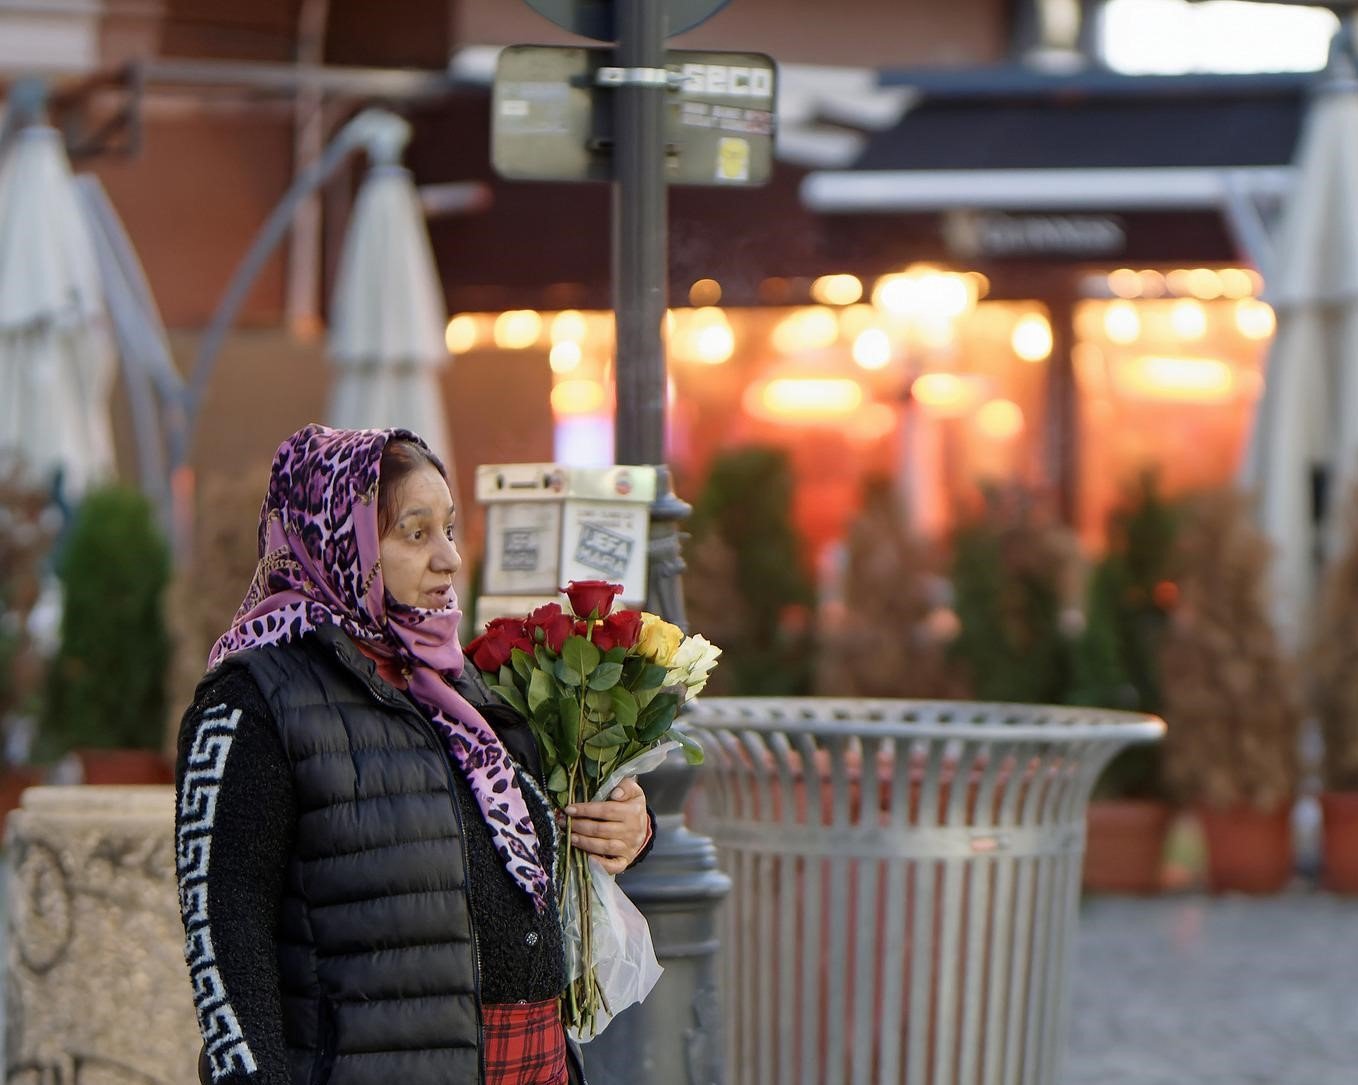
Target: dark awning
[
  {"x": 1010, "y": 142},
  {"x": 1243, "y": 125}
]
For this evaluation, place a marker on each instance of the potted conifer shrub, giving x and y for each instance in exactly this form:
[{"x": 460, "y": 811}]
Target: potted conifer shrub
[
  {"x": 1116, "y": 666},
  {"x": 748, "y": 587},
  {"x": 1230, "y": 697},
  {"x": 1333, "y": 686},
  {"x": 105, "y": 699}
]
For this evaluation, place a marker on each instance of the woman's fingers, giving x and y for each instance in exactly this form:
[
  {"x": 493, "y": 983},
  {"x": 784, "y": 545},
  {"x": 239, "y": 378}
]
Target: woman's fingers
[{"x": 614, "y": 830}]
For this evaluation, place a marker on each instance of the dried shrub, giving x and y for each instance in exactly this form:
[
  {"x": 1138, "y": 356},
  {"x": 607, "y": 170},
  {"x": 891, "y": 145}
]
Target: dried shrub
[
  {"x": 889, "y": 634},
  {"x": 1229, "y": 692},
  {"x": 28, "y": 525},
  {"x": 206, "y": 593}
]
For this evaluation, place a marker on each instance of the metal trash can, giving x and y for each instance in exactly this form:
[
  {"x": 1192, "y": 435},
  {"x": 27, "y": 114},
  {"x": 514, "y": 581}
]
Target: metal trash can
[{"x": 905, "y": 880}]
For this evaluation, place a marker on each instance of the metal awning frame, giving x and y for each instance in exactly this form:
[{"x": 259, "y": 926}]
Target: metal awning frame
[{"x": 1246, "y": 196}]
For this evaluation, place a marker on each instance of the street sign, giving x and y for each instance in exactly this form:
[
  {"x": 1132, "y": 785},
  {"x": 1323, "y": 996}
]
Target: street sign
[
  {"x": 594, "y": 18},
  {"x": 552, "y": 116}
]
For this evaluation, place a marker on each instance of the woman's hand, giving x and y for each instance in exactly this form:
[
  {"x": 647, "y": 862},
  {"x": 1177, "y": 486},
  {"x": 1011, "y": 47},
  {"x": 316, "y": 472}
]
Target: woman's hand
[{"x": 614, "y": 831}]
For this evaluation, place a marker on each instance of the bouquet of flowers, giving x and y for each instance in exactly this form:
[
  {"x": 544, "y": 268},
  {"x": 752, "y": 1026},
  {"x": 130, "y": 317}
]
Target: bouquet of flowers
[{"x": 600, "y": 690}]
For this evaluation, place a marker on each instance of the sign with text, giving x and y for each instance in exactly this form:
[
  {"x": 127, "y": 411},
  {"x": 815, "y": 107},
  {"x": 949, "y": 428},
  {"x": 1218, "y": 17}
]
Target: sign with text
[{"x": 551, "y": 120}]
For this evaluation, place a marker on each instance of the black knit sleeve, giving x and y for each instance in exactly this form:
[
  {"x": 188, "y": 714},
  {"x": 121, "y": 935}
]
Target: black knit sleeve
[{"x": 234, "y": 822}]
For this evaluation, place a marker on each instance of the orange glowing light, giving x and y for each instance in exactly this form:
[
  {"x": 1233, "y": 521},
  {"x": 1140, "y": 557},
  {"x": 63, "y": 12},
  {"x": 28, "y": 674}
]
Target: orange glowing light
[
  {"x": 999, "y": 420},
  {"x": 565, "y": 356},
  {"x": 945, "y": 395},
  {"x": 812, "y": 328},
  {"x": 569, "y": 325},
  {"x": 705, "y": 292},
  {"x": 460, "y": 335},
  {"x": 1254, "y": 319},
  {"x": 872, "y": 349},
  {"x": 1031, "y": 339},
  {"x": 1124, "y": 283},
  {"x": 804, "y": 399},
  {"x": 1121, "y": 322},
  {"x": 837, "y": 289},
  {"x": 578, "y": 397},
  {"x": 517, "y": 329},
  {"x": 1184, "y": 380}
]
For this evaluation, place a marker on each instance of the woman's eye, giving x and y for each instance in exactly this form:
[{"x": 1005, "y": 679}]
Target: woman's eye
[
  {"x": 448, "y": 532},
  {"x": 416, "y": 535}
]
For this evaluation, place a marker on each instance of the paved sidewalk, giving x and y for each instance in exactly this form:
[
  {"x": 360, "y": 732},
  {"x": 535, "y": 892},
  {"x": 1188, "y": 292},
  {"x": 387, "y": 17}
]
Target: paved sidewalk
[{"x": 1216, "y": 991}]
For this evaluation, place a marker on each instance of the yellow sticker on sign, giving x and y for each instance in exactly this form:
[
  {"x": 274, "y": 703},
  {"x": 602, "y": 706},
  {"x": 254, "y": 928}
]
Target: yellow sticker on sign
[{"x": 733, "y": 159}]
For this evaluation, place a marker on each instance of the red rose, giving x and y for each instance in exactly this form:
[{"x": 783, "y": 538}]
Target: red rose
[
  {"x": 620, "y": 630},
  {"x": 490, "y": 651},
  {"x": 555, "y": 623},
  {"x": 591, "y": 598}
]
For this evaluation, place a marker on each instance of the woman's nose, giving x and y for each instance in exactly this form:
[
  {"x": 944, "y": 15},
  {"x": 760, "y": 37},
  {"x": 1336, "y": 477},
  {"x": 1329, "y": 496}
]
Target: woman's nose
[{"x": 447, "y": 558}]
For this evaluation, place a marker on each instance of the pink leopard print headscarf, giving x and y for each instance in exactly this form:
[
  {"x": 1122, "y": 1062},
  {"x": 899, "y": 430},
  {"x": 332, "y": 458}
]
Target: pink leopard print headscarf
[{"x": 319, "y": 565}]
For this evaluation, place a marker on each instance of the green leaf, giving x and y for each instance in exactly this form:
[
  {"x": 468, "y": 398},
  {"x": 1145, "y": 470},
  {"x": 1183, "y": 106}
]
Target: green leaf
[
  {"x": 568, "y": 746},
  {"x": 541, "y": 690},
  {"x": 600, "y": 703},
  {"x": 512, "y": 697},
  {"x": 645, "y": 696},
  {"x": 565, "y": 673},
  {"x": 505, "y": 677},
  {"x": 522, "y": 661},
  {"x": 605, "y": 676},
  {"x": 546, "y": 746},
  {"x": 625, "y": 707},
  {"x": 615, "y": 655},
  {"x": 614, "y": 735},
  {"x": 558, "y": 781},
  {"x": 581, "y": 656},
  {"x": 545, "y": 656},
  {"x": 651, "y": 677},
  {"x": 693, "y": 753},
  {"x": 657, "y": 717}
]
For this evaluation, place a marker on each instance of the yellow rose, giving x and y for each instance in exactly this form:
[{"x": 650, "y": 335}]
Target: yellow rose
[{"x": 659, "y": 640}]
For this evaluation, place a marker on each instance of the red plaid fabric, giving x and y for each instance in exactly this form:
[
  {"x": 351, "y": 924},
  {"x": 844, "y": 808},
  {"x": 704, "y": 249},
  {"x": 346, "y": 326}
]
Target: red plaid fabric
[{"x": 525, "y": 1043}]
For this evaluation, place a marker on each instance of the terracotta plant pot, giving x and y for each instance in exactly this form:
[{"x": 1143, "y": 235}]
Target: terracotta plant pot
[
  {"x": 13, "y": 782},
  {"x": 1248, "y": 850},
  {"x": 1340, "y": 843},
  {"x": 124, "y": 767},
  {"x": 1125, "y": 846}
]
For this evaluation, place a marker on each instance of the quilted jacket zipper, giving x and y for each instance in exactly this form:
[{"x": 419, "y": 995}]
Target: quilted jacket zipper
[{"x": 406, "y": 708}]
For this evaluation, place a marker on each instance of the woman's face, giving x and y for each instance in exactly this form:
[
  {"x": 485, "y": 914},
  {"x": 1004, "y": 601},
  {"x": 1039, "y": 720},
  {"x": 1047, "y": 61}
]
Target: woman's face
[{"x": 419, "y": 559}]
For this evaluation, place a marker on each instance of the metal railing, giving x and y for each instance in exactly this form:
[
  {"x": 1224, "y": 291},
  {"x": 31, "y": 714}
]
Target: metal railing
[{"x": 905, "y": 883}]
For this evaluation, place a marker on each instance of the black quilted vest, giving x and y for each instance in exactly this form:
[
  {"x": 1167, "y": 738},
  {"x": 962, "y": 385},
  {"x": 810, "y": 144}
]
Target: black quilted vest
[{"x": 377, "y": 962}]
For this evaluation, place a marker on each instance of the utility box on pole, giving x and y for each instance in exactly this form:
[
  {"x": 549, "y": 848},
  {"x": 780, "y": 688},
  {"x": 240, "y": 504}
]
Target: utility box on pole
[{"x": 548, "y": 524}]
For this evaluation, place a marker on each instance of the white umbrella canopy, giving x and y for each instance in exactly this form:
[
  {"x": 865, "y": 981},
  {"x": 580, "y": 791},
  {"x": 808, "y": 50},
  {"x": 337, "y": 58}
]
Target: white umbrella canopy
[
  {"x": 56, "y": 354},
  {"x": 388, "y": 316},
  {"x": 1308, "y": 415}
]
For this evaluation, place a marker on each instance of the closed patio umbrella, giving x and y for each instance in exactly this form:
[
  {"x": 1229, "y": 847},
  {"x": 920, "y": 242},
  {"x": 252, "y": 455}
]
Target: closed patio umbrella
[
  {"x": 387, "y": 313},
  {"x": 56, "y": 355},
  {"x": 1308, "y": 415}
]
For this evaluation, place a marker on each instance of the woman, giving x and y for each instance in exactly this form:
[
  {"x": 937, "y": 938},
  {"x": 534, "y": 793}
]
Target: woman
[{"x": 365, "y": 854}]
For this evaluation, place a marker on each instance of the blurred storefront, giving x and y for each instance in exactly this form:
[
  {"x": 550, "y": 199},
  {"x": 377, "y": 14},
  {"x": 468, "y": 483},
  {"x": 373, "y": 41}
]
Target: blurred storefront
[
  {"x": 959, "y": 275},
  {"x": 1044, "y": 280}
]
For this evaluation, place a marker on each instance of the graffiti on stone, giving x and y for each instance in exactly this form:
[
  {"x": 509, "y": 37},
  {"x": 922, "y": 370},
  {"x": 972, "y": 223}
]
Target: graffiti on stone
[{"x": 94, "y": 908}]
